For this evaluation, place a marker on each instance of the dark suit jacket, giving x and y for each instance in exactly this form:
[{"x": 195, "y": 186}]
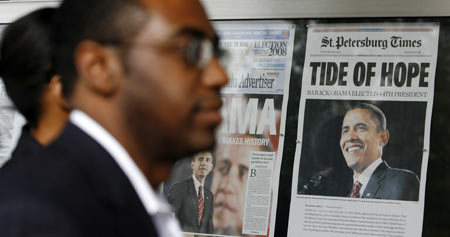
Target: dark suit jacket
[
  {"x": 184, "y": 200},
  {"x": 76, "y": 182},
  {"x": 393, "y": 184},
  {"x": 26, "y": 147}
]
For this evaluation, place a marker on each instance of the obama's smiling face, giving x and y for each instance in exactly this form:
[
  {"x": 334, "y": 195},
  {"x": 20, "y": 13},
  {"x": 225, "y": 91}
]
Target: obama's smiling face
[{"x": 362, "y": 140}]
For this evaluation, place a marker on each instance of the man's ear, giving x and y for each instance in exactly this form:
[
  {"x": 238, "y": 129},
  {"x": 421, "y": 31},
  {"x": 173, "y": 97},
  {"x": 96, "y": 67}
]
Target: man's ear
[
  {"x": 55, "y": 85},
  {"x": 384, "y": 137},
  {"x": 55, "y": 88},
  {"x": 99, "y": 67}
]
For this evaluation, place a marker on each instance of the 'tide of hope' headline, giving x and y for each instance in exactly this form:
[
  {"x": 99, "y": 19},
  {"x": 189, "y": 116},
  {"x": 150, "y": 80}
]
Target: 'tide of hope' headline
[{"x": 392, "y": 74}]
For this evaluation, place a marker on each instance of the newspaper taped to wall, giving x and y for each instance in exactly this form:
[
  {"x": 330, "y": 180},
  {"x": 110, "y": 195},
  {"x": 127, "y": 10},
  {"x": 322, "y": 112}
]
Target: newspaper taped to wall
[
  {"x": 364, "y": 129},
  {"x": 238, "y": 189}
]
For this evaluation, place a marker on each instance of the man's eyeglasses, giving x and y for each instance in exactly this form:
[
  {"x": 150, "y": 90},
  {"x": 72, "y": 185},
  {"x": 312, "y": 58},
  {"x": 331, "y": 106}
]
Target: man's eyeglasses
[{"x": 199, "y": 52}]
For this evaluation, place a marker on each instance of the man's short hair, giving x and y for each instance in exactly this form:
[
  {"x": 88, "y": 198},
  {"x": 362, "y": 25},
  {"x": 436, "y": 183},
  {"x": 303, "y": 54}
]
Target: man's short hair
[
  {"x": 25, "y": 61},
  {"x": 213, "y": 159},
  {"x": 198, "y": 154},
  {"x": 376, "y": 114},
  {"x": 109, "y": 22},
  {"x": 195, "y": 156}
]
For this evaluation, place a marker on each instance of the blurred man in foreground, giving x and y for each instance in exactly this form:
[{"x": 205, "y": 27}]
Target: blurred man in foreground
[{"x": 143, "y": 77}]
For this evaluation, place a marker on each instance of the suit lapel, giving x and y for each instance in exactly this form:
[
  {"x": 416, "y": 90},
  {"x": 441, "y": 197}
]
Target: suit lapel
[
  {"x": 102, "y": 172},
  {"x": 207, "y": 204},
  {"x": 193, "y": 198},
  {"x": 107, "y": 180},
  {"x": 374, "y": 182}
]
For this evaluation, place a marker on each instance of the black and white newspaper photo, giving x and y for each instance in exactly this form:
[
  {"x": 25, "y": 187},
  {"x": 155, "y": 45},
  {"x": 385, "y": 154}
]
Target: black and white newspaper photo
[
  {"x": 237, "y": 179},
  {"x": 364, "y": 130}
]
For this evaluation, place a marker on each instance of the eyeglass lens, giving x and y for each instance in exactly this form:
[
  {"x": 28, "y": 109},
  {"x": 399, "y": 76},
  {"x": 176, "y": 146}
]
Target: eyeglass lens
[{"x": 200, "y": 52}]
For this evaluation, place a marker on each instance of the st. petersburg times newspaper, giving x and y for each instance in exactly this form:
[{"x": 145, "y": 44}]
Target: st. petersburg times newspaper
[
  {"x": 364, "y": 130},
  {"x": 11, "y": 123},
  {"x": 248, "y": 141}
]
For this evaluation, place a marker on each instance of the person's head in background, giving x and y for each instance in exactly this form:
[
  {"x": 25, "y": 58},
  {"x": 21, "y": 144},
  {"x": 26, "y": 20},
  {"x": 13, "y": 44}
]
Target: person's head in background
[
  {"x": 27, "y": 71},
  {"x": 202, "y": 164}
]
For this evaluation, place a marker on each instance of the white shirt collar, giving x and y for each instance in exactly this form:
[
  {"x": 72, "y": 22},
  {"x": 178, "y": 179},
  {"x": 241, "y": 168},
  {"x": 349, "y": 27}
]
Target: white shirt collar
[
  {"x": 196, "y": 184},
  {"x": 153, "y": 203},
  {"x": 364, "y": 177}
]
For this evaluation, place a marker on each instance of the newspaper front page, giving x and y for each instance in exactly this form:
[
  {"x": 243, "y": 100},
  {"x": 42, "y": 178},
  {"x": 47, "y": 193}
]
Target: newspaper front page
[
  {"x": 364, "y": 129},
  {"x": 248, "y": 140}
]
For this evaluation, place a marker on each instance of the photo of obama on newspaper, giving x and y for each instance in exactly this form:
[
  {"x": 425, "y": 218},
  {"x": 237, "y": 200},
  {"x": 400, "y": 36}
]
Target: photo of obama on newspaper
[{"x": 362, "y": 149}]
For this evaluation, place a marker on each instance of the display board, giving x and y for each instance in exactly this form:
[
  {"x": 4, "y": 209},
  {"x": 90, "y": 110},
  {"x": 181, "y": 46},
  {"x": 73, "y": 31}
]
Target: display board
[{"x": 399, "y": 71}]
